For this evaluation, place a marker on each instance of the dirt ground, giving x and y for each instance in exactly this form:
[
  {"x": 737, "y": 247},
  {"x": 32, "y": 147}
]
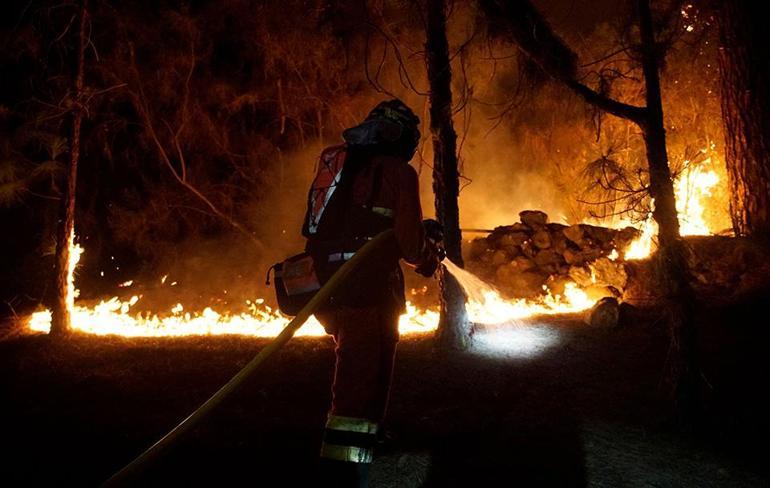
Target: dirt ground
[{"x": 553, "y": 402}]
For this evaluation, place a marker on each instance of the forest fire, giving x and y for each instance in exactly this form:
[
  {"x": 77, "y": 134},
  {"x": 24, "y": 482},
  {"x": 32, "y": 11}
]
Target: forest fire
[
  {"x": 692, "y": 187},
  {"x": 572, "y": 197},
  {"x": 485, "y": 305},
  {"x": 114, "y": 316}
]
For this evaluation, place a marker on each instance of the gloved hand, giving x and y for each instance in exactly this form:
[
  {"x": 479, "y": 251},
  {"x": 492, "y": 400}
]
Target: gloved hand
[
  {"x": 429, "y": 267},
  {"x": 434, "y": 235},
  {"x": 434, "y": 231}
]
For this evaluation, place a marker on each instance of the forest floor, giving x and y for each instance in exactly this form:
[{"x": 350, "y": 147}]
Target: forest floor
[{"x": 553, "y": 402}]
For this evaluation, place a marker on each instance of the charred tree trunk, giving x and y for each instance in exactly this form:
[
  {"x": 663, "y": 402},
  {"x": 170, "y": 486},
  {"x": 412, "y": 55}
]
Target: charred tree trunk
[
  {"x": 454, "y": 328},
  {"x": 743, "y": 62},
  {"x": 65, "y": 230},
  {"x": 671, "y": 264}
]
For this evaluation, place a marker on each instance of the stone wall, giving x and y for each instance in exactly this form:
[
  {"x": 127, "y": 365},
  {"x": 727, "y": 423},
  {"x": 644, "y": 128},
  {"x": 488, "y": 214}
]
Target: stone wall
[{"x": 523, "y": 258}]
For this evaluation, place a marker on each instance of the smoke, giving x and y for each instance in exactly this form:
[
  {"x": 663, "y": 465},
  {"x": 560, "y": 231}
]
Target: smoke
[{"x": 521, "y": 146}]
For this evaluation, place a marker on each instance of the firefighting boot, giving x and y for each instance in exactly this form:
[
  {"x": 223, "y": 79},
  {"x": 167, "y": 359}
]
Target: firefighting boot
[{"x": 347, "y": 452}]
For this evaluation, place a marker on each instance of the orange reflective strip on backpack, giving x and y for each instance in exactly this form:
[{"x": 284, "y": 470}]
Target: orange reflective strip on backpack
[{"x": 326, "y": 181}]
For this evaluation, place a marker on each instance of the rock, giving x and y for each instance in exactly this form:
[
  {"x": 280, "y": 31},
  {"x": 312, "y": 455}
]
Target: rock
[
  {"x": 477, "y": 248},
  {"x": 548, "y": 261},
  {"x": 609, "y": 273},
  {"x": 486, "y": 258},
  {"x": 533, "y": 218},
  {"x": 605, "y": 313},
  {"x": 499, "y": 257},
  {"x": 541, "y": 239},
  {"x": 522, "y": 263},
  {"x": 581, "y": 275},
  {"x": 528, "y": 249},
  {"x": 507, "y": 229},
  {"x": 641, "y": 289},
  {"x": 575, "y": 234},
  {"x": 601, "y": 235},
  {"x": 519, "y": 283},
  {"x": 627, "y": 313},
  {"x": 558, "y": 242},
  {"x": 579, "y": 257},
  {"x": 527, "y": 284},
  {"x": 554, "y": 228},
  {"x": 512, "y": 240},
  {"x": 573, "y": 257},
  {"x": 519, "y": 227},
  {"x": 624, "y": 237}
]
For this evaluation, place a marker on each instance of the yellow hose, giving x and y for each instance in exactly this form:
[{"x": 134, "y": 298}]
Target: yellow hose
[{"x": 167, "y": 441}]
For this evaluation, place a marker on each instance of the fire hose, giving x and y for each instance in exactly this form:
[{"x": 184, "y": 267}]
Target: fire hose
[{"x": 145, "y": 459}]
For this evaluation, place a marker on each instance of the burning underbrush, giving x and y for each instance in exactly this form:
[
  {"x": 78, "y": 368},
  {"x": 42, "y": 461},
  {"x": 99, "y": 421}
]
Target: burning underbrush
[
  {"x": 126, "y": 316},
  {"x": 526, "y": 269}
]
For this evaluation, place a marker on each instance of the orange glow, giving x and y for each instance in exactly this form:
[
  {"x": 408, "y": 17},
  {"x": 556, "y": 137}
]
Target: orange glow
[
  {"x": 692, "y": 187},
  {"x": 115, "y": 317},
  {"x": 485, "y": 305}
]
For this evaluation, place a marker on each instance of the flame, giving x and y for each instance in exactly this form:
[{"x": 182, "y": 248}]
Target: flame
[
  {"x": 485, "y": 305},
  {"x": 691, "y": 187},
  {"x": 642, "y": 246},
  {"x": 494, "y": 309},
  {"x": 115, "y": 317},
  {"x": 74, "y": 258}
]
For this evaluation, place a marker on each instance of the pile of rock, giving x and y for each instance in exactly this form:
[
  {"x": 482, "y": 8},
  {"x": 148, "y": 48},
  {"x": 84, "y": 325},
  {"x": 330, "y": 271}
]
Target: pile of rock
[{"x": 524, "y": 257}]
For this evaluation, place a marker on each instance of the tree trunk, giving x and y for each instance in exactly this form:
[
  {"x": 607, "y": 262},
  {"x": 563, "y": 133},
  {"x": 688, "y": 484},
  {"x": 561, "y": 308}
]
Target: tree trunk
[
  {"x": 671, "y": 265},
  {"x": 537, "y": 40},
  {"x": 454, "y": 327},
  {"x": 744, "y": 64},
  {"x": 65, "y": 230}
]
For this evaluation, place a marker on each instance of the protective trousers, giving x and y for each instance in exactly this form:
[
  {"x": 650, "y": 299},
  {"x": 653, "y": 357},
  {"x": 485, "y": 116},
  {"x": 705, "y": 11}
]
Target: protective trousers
[{"x": 365, "y": 350}]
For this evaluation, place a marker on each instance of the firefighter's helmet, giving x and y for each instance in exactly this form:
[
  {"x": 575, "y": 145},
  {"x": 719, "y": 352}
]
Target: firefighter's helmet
[{"x": 391, "y": 126}]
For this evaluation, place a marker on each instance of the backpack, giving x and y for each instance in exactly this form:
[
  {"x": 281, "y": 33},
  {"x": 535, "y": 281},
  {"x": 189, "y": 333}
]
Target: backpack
[{"x": 335, "y": 229}]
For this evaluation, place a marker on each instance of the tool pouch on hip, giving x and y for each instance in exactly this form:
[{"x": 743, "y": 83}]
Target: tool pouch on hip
[{"x": 295, "y": 281}]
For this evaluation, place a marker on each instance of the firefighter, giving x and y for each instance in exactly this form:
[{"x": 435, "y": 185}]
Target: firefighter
[{"x": 362, "y": 188}]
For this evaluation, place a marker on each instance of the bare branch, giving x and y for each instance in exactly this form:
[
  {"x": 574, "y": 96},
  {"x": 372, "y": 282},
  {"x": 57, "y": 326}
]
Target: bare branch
[{"x": 140, "y": 101}]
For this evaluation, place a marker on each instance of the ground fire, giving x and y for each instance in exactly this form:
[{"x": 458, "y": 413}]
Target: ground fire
[{"x": 485, "y": 305}]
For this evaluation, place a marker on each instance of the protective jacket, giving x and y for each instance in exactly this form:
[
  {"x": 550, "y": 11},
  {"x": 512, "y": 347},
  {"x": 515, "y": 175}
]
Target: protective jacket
[{"x": 356, "y": 194}]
